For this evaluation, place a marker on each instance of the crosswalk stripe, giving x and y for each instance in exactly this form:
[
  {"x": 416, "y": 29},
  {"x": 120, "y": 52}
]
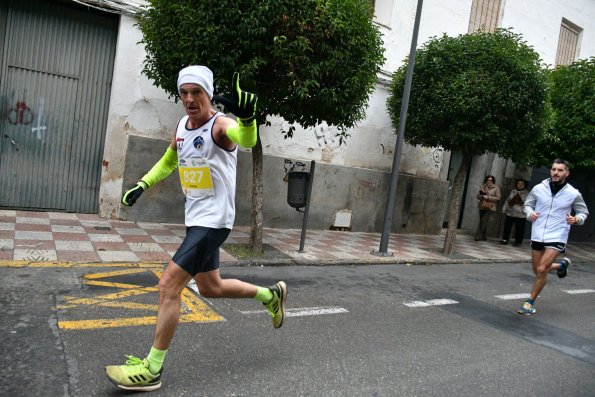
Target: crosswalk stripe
[
  {"x": 431, "y": 302},
  {"x": 316, "y": 311},
  {"x": 304, "y": 311},
  {"x": 513, "y": 296},
  {"x": 579, "y": 291}
]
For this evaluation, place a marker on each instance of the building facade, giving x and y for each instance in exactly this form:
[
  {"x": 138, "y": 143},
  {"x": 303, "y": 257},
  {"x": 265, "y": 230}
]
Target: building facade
[{"x": 106, "y": 124}]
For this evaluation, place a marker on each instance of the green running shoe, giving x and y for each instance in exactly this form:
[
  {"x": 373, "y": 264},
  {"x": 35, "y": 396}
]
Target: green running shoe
[
  {"x": 527, "y": 309},
  {"x": 276, "y": 307},
  {"x": 134, "y": 375}
]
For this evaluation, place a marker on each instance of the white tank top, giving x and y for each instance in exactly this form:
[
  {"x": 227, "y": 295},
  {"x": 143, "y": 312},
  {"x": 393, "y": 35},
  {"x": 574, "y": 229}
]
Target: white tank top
[{"x": 207, "y": 174}]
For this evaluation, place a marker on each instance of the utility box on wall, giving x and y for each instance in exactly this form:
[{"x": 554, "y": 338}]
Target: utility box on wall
[
  {"x": 342, "y": 220},
  {"x": 297, "y": 189}
]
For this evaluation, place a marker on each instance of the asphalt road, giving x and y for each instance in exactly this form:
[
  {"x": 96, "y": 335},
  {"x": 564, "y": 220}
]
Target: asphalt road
[{"x": 386, "y": 330}]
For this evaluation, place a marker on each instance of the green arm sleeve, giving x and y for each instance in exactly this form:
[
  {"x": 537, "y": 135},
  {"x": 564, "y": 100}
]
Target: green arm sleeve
[
  {"x": 243, "y": 134},
  {"x": 162, "y": 168}
]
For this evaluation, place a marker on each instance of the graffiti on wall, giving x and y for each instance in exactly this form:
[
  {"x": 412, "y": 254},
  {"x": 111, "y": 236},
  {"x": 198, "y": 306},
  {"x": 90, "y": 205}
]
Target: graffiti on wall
[
  {"x": 321, "y": 136},
  {"x": 40, "y": 129},
  {"x": 291, "y": 166},
  {"x": 21, "y": 114},
  {"x": 324, "y": 136},
  {"x": 437, "y": 156}
]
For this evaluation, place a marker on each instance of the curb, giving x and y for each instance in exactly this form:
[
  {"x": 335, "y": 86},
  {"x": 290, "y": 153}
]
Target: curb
[
  {"x": 364, "y": 262},
  {"x": 276, "y": 263}
]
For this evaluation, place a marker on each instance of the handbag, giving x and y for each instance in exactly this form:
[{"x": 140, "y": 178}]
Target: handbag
[
  {"x": 485, "y": 205},
  {"x": 516, "y": 200}
]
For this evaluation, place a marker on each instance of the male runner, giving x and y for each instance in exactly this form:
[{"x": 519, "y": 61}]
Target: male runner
[
  {"x": 204, "y": 149},
  {"x": 549, "y": 207}
]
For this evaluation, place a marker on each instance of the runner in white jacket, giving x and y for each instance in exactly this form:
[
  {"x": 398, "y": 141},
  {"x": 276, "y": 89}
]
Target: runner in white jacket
[{"x": 549, "y": 206}]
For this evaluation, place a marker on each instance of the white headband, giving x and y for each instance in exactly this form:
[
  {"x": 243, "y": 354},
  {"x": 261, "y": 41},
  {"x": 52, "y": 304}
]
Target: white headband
[{"x": 200, "y": 75}]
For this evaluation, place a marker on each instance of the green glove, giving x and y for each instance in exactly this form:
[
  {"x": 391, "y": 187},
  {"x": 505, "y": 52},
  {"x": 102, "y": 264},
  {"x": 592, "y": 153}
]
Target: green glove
[
  {"x": 242, "y": 103},
  {"x": 131, "y": 195}
]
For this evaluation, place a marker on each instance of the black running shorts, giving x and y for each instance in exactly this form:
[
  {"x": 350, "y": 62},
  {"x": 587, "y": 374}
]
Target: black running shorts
[
  {"x": 199, "y": 251},
  {"x": 539, "y": 246}
]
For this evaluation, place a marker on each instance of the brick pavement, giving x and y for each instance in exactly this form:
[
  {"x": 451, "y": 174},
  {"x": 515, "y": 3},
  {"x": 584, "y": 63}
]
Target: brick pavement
[{"x": 66, "y": 237}]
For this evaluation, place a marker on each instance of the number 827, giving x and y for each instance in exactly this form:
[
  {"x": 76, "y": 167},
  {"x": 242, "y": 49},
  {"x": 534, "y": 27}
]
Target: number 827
[{"x": 193, "y": 177}]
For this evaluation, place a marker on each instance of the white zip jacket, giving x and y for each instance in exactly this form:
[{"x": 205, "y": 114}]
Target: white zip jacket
[{"x": 551, "y": 224}]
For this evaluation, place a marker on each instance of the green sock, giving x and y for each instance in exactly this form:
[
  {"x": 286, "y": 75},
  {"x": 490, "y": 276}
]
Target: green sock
[
  {"x": 263, "y": 294},
  {"x": 155, "y": 359}
]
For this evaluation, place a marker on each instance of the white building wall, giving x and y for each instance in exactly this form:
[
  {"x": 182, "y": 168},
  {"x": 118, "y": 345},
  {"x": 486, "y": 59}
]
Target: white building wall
[
  {"x": 136, "y": 107},
  {"x": 372, "y": 142},
  {"x": 539, "y": 22}
]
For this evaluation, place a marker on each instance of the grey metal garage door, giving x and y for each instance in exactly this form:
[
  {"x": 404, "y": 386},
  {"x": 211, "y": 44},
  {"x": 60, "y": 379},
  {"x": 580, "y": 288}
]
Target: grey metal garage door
[{"x": 55, "y": 83}]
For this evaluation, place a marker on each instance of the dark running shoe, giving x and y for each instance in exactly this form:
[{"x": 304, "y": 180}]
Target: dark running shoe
[
  {"x": 527, "y": 309},
  {"x": 563, "y": 270}
]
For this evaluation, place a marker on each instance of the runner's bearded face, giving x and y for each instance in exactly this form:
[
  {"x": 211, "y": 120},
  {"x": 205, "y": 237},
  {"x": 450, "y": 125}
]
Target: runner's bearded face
[{"x": 558, "y": 173}]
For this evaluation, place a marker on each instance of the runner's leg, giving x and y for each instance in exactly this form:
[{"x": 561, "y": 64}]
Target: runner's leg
[
  {"x": 542, "y": 262},
  {"x": 211, "y": 285},
  {"x": 172, "y": 283}
]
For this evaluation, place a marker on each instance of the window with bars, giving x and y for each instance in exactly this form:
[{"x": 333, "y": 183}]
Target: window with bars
[
  {"x": 567, "y": 43},
  {"x": 485, "y": 15}
]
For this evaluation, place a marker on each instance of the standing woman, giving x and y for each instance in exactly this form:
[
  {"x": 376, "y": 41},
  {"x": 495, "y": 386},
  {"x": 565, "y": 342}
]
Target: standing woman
[
  {"x": 513, "y": 209},
  {"x": 488, "y": 197}
]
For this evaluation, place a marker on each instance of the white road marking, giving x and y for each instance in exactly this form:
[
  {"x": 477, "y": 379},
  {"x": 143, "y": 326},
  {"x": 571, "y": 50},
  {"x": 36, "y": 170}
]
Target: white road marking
[
  {"x": 315, "y": 311},
  {"x": 304, "y": 311},
  {"x": 431, "y": 302},
  {"x": 579, "y": 291},
  {"x": 293, "y": 312},
  {"x": 513, "y": 296}
]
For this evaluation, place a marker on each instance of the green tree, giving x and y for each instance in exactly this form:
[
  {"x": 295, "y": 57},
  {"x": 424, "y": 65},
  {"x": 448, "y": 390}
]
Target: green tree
[
  {"x": 572, "y": 136},
  {"x": 475, "y": 93},
  {"x": 310, "y": 61}
]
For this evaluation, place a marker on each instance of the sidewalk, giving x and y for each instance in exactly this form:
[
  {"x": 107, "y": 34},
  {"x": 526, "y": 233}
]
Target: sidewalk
[{"x": 66, "y": 237}]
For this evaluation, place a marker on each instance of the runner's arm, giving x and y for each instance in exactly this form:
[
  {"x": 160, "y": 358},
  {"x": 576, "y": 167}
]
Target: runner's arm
[
  {"x": 580, "y": 209},
  {"x": 243, "y": 105},
  {"x": 529, "y": 207}
]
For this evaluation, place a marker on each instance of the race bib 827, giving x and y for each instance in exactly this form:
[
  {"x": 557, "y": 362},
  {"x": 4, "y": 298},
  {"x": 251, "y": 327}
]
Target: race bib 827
[{"x": 195, "y": 177}]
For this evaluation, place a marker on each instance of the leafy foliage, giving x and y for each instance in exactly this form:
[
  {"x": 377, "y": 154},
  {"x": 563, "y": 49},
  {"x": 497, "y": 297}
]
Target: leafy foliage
[
  {"x": 310, "y": 61},
  {"x": 475, "y": 93},
  {"x": 572, "y": 136}
]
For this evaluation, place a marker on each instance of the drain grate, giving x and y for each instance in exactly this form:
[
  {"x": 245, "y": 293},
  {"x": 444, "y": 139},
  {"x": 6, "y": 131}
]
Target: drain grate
[{"x": 103, "y": 228}]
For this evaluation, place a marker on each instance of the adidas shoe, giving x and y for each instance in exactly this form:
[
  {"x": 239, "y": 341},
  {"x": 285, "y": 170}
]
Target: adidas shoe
[
  {"x": 276, "y": 306},
  {"x": 134, "y": 375}
]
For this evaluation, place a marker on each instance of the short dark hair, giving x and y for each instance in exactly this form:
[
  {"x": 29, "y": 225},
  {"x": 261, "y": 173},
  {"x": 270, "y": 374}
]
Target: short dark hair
[
  {"x": 488, "y": 177},
  {"x": 521, "y": 180},
  {"x": 561, "y": 161}
]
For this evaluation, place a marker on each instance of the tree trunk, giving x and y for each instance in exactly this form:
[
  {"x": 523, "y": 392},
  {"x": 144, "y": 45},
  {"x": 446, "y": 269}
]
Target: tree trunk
[
  {"x": 455, "y": 204},
  {"x": 256, "y": 214}
]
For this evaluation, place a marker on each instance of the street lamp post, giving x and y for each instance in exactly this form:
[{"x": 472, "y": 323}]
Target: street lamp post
[{"x": 390, "y": 205}]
